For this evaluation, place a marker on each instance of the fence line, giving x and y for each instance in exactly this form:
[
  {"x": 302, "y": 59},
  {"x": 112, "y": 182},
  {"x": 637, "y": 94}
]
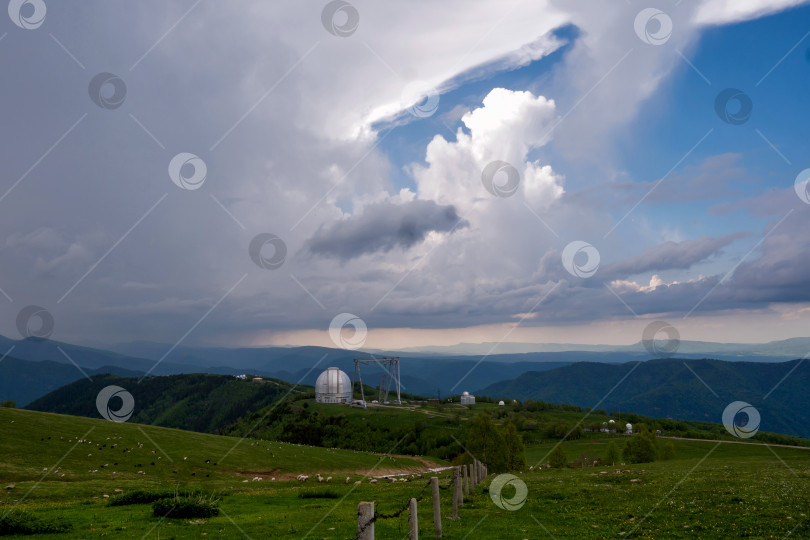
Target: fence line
[{"x": 472, "y": 476}]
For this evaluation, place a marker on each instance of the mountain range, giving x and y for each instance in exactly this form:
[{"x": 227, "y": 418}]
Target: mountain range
[
  {"x": 31, "y": 368},
  {"x": 675, "y": 388}
]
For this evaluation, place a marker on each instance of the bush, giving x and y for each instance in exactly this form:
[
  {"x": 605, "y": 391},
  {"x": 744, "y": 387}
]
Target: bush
[
  {"x": 186, "y": 507},
  {"x": 557, "y": 458},
  {"x": 20, "y": 522},
  {"x": 612, "y": 455},
  {"x": 326, "y": 494},
  {"x": 667, "y": 450},
  {"x": 139, "y": 496},
  {"x": 640, "y": 448}
]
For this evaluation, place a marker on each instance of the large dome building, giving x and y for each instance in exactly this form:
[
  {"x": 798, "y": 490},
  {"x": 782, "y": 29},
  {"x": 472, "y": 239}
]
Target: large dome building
[{"x": 333, "y": 386}]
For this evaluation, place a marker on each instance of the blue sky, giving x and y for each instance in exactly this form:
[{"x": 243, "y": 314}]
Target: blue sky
[{"x": 754, "y": 56}]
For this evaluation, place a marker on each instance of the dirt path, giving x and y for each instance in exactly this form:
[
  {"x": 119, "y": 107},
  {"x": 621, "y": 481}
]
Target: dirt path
[{"x": 426, "y": 465}]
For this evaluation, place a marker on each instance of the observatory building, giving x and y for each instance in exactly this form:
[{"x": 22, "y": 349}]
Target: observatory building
[
  {"x": 467, "y": 399},
  {"x": 333, "y": 386}
]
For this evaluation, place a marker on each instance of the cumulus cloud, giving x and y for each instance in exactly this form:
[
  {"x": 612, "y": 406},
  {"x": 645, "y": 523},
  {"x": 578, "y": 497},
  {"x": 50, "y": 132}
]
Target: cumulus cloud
[
  {"x": 505, "y": 128},
  {"x": 384, "y": 226}
]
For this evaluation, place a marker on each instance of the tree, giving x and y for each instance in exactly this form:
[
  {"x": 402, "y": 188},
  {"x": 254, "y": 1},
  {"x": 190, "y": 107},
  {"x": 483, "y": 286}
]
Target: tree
[
  {"x": 557, "y": 458},
  {"x": 513, "y": 448},
  {"x": 640, "y": 448},
  {"x": 667, "y": 450},
  {"x": 10, "y": 404},
  {"x": 486, "y": 443},
  {"x": 612, "y": 455}
]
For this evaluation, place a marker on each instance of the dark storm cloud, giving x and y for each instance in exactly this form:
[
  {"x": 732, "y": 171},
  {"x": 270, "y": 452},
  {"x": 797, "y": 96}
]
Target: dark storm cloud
[
  {"x": 384, "y": 226},
  {"x": 673, "y": 255}
]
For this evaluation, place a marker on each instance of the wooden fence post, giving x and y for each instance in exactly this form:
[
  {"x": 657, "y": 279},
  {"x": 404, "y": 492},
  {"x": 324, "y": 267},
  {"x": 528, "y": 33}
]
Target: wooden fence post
[
  {"x": 456, "y": 490},
  {"x": 437, "y": 511},
  {"x": 413, "y": 521},
  {"x": 466, "y": 481},
  {"x": 365, "y": 512}
]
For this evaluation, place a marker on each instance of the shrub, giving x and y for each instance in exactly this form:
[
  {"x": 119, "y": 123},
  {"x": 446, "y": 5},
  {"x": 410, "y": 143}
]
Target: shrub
[
  {"x": 139, "y": 496},
  {"x": 667, "y": 450},
  {"x": 557, "y": 458},
  {"x": 21, "y": 522},
  {"x": 612, "y": 455},
  {"x": 325, "y": 494},
  {"x": 184, "y": 507},
  {"x": 640, "y": 448}
]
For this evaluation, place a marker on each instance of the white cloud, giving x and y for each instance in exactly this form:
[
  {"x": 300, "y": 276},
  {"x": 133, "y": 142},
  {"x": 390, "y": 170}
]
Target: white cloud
[{"x": 506, "y": 127}]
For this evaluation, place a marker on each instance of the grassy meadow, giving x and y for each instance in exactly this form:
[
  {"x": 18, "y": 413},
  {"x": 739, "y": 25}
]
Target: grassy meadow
[{"x": 62, "y": 467}]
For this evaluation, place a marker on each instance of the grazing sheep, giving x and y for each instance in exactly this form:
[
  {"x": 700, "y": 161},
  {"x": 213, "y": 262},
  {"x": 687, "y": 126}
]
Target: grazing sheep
[
  {"x": 328, "y": 479},
  {"x": 358, "y": 482},
  {"x": 347, "y": 480},
  {"x": 373, "y": 481}
]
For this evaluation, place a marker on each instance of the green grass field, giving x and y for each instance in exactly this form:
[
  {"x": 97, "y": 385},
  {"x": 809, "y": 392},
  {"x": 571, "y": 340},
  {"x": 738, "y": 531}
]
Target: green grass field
[{"x": 708, "y": 491}]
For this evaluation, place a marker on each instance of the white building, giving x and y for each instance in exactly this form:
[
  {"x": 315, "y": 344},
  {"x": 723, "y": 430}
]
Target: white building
[
  {"x": 501, "y": 404},
  {"x": 467, "y": 399},
  {"x": 333, "y": 386},
  {"x": 628, "y": 429}
]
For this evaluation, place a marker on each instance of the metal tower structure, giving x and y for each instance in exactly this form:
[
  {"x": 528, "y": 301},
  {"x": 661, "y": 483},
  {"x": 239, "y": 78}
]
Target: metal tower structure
[{"x": 390, "y": 366}]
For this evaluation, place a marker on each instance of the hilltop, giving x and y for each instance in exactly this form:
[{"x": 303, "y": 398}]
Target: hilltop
[{"x": 197, "y": 402}]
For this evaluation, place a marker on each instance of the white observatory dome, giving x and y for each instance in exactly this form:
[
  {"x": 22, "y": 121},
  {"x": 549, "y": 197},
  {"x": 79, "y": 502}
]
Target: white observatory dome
[
  {"x": 333, "y": 386},
  {"x": 501, "y": 404},
  {"x": 629, "y": 427},
  {"x": 465, "y": 394}
]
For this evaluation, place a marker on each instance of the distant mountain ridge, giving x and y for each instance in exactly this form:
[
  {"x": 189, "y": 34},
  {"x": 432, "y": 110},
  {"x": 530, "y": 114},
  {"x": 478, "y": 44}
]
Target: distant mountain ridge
[
  {"x": 791, "y": 348},
  {"x": 675, "y": 388},
  {"x": 422, "y": 373}
]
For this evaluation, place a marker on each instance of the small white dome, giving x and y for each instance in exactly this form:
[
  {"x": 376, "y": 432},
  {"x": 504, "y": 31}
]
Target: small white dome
[
  {"x": 501, "y": 404},
  {"x": 465, "y": 393},
  {"x": 612, "y": 421},
  {"x": 333, "y": 386},
  {"x": 629, "y": 426}
]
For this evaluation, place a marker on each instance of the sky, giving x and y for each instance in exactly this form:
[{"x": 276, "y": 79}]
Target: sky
[{"x": 404, "y": 174}]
